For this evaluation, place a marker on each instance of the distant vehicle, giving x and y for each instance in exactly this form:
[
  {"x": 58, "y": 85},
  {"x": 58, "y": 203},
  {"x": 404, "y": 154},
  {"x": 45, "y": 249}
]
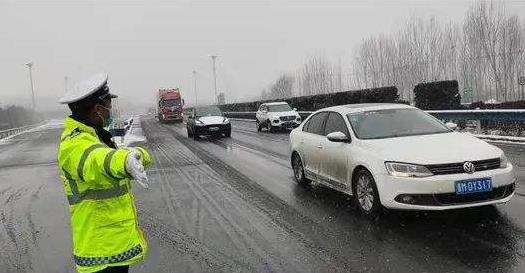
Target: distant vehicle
[
  {"x": 169, "y": 105},
  {"x": 277, "y": 115},
  {"x": 399, "y": 157},
  {"x": 207, "y": 120}
]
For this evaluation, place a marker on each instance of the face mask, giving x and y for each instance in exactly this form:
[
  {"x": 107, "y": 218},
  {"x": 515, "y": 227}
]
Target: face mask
[{"x": 106, "y": 121}]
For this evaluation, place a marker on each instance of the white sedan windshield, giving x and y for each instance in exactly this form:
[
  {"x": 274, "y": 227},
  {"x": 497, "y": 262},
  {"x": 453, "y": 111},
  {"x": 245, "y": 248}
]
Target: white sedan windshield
[
  {"x": 394, "y": 123},
  {"x": 279, "y": 108}
]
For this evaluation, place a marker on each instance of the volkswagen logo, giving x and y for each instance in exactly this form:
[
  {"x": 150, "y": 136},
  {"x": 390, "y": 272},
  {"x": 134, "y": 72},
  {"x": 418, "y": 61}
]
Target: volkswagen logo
[{"x": 469, "y": 167}]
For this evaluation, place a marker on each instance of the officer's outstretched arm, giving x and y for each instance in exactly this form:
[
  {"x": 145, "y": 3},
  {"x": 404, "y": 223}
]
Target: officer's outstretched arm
[{"x": 99, "y": 158}]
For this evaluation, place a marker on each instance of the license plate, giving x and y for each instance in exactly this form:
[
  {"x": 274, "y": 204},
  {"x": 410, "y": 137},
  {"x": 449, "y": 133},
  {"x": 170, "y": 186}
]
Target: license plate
[
  {"x": 214, "y": 128},
  {"x": 473, "y": 186}
]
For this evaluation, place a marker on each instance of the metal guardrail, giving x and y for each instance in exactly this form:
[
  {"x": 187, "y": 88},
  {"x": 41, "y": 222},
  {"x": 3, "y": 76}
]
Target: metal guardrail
[
  {"x": 251, "y": 115},
  {"x": 509, "y": 122},
  {"x": 494, "y": 115},
  {"x": 14, "y": 131},
  {"x": 120, "y": 128}
]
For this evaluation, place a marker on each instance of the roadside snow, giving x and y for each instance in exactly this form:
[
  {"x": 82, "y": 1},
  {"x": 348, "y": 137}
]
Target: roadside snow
[
  {"x": 502, "y": 139},
  {"x": 46, "y": 125},
  {"x": 133, "y": 135}
]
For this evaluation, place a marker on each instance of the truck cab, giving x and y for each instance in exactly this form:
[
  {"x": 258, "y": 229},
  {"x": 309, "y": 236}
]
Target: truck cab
[{"x": 170, "y": 103}]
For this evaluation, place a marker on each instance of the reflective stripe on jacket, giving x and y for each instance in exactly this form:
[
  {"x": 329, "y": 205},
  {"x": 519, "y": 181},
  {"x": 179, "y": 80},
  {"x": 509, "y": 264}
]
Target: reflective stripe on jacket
[{"x": 103, "y": 215}]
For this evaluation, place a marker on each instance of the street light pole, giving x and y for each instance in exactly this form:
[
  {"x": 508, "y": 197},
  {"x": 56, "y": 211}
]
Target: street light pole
[
  {"x": 65, "y": 83},
  {"x": 30, "y": 66},
  {"x": 215, "y": 78},
  {"x": 195, "y": 85}
]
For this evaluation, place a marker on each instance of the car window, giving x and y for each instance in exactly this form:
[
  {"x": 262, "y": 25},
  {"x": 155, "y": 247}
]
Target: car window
[
  {"x": 279, "y": 108},
  {"x": 171, "y": 103},
  {"x": 335, "y": 123},
  {"x": 316, "y": 123},
  {"x": 208, "y": 111},
  {"x": 394, "y": 123}
]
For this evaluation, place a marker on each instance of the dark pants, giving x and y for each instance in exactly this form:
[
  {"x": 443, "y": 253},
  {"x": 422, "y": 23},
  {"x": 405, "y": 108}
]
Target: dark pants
[{"x": 115, "y": 269}]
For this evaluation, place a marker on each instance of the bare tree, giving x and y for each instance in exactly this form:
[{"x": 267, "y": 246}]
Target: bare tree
[
  {"x": 485, "y": 55},
  {"x": 317, "y": 76},
  {"x": 282, "y": 88}
]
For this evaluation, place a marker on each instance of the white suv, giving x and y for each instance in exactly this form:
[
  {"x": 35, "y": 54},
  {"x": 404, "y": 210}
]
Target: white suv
[
  {"x": 277, "y": 115},
  {"x": 397, "y": 156}
]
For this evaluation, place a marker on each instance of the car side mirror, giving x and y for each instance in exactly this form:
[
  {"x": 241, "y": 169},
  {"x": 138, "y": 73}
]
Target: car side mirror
[
  {"x": 295, "y": 109},
  {"x": 451, "y": 125},
  {"x": 337, "y": 137}
]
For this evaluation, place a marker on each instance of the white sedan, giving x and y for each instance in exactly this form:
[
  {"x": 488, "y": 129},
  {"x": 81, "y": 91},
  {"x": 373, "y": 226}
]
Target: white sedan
[{"x": 399, "y": 157}]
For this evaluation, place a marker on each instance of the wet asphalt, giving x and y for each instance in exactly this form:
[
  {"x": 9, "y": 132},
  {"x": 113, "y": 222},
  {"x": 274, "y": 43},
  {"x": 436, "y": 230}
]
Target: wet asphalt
[{"x": 231, "y": 205}]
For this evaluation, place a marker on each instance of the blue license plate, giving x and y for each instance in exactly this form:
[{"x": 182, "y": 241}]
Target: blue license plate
[{"x": 473, "y": 186}]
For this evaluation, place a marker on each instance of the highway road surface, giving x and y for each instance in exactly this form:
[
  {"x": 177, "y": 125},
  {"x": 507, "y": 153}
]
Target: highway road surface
[{"x": 231, "y": 205}]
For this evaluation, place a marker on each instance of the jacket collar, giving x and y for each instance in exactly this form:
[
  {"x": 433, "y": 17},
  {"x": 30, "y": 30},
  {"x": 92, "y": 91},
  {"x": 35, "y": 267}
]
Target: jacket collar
[{"x": 75, "y": 123}]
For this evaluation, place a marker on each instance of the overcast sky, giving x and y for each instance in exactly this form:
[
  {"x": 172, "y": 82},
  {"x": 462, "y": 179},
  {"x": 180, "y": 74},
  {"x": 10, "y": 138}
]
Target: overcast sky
[{"x": 148, "y": 44}]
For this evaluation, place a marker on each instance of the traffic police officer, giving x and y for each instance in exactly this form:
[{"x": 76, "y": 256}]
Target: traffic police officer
[{"x": 97, "y": 176}]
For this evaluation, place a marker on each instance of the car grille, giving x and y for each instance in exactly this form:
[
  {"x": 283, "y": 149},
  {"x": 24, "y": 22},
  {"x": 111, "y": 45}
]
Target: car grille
[
  {"x": 287, "y": 118},
  {"x": 206, "y": 128},
  {"x": 480, "y": 165}
]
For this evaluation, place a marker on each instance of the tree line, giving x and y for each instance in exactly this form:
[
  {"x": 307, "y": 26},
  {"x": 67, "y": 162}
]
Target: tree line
[
  {"x": 485, "y": 53},
  {"x": 16, "y": 116}
]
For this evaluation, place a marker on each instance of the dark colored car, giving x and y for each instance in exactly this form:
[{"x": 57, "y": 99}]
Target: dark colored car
[{"x": 207, "y": 120}]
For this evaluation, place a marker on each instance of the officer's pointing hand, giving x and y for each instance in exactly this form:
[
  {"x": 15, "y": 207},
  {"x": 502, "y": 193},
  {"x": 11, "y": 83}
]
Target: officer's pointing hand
[{"x": 135, "y": 168}]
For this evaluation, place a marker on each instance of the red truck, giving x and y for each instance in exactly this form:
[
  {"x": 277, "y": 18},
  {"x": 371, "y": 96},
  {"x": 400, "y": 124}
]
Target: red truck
[{"x": 169, "y": 106}]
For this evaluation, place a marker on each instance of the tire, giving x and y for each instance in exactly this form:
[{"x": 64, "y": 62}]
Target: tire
[
  {"x": 365, "y": 193},
  {"x": 195, "y": 136},
  {"x": 269, "y": 126},
  {"x": 228, "y": 134},
  {"x": 258, "y": 125},
  {"x": 298, "y": 171},
  {"x": 190, "y": 135}
]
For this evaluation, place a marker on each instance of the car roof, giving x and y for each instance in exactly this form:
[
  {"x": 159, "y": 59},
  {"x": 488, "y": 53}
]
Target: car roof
[
  {"x": 275, "y": 103},
  {"x": 360, "y": 107}
]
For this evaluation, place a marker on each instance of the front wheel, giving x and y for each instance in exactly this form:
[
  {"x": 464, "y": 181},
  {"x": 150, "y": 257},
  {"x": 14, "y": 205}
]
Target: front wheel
[
  {"x": 228, "y": 134},
  {"x": 190, "y": 135},
  {"x": 365, "y": 193},
  {"x": 269, "y": 126},
  {"x": 298, "y": 170},
  {"x": 258, "y": 125}
]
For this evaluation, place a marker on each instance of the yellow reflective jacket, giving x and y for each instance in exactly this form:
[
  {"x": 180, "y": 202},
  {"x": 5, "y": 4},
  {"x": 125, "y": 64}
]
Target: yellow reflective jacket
[{"x": 103, "y": 215}]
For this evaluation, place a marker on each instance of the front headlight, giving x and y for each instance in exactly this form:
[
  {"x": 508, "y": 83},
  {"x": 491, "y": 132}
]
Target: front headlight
[
  {"x": 199, "y": 123},
  {"x": 407, "y": 170},
  {"x": 226, "y": 121},
  {"x": 503, "y": 161}
]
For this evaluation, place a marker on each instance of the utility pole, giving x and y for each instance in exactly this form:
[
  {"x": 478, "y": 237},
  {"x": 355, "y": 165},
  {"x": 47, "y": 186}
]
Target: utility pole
[
  {"x": 30, "y": 66},
  {"x": 195, "y": 85},
  {"x": 213, "y": 58},
  {"x": 65, "y": 83},
  {"x": 340, "y": 77}
]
